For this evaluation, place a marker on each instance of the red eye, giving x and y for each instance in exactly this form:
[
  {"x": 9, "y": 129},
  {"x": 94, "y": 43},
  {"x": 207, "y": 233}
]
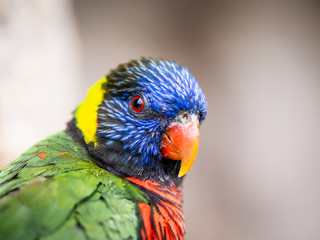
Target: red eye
[{"x": 137, "y": 104}]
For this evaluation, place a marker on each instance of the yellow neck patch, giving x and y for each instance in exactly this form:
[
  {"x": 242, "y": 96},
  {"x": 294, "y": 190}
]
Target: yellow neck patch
[{"x": 86, "y": 113}]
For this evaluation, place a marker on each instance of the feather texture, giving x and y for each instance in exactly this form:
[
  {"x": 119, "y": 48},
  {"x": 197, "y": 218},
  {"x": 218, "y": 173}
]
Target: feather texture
[
  {"x": 65, "y": 196},
  {"x": 105, "y": 176}
]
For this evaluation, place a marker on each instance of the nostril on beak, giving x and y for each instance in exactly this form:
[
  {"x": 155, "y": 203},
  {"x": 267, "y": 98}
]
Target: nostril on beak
[{"x": 185, "y": 117}]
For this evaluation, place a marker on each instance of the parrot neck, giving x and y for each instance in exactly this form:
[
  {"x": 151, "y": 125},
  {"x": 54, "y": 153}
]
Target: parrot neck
[
  {"x": 111, "y": 157},
  {"x": 163, "y": 218}
]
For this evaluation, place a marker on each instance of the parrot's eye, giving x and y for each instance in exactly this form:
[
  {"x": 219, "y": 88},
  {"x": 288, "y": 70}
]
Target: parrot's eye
[{"x": 137, "y": 104}]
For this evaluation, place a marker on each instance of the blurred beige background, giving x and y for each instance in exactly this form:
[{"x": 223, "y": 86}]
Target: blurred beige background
[{"x": 257, "y": 172}]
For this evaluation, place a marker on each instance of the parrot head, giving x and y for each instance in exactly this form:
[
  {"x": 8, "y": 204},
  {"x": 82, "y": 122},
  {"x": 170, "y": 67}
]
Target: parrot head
[{"x": 142, "y": 120}]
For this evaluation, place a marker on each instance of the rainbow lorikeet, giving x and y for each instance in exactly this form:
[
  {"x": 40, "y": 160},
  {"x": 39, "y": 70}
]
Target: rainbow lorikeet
[{"x": 116, "y": 171}]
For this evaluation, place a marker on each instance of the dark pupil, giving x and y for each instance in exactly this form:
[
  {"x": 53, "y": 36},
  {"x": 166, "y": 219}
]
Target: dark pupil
[{"x": 137, "y": 103}]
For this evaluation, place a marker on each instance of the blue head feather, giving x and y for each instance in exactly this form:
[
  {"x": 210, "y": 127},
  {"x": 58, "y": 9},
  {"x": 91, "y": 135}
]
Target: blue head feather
[{"x": 129, "y": 142}]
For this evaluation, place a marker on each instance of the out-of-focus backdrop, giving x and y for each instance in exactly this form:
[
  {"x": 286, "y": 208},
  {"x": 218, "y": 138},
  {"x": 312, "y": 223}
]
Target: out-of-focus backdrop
[{"x": 258, "y": 62}]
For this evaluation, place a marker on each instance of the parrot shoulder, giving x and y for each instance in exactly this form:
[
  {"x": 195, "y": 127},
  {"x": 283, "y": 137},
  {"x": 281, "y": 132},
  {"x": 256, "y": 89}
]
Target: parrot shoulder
[{"x": 54, "y": 191}]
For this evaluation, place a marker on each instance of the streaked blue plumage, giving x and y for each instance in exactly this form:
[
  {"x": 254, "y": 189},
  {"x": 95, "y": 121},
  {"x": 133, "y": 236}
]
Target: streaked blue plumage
[
  {"x": 168, "y": 90},
  {"x": 55, "y": 190}
]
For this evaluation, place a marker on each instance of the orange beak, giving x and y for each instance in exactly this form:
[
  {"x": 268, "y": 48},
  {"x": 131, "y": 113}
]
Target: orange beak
[{"x": 181, "y": 142}]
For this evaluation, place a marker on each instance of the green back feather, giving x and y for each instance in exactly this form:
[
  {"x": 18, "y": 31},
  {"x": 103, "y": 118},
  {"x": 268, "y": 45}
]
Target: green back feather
[{"x": 54, "y": 191}]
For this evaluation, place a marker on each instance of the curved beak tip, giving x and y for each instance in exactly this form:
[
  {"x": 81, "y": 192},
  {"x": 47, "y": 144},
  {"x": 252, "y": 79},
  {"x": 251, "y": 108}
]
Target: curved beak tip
[{"x": 181, "y": 142}]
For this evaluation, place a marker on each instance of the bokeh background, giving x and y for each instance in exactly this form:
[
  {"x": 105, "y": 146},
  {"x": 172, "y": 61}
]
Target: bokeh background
[{"x": 258, "y": 62}]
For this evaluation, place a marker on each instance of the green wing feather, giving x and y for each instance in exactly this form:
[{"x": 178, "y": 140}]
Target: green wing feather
[{"x": 54, "y": 191}]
